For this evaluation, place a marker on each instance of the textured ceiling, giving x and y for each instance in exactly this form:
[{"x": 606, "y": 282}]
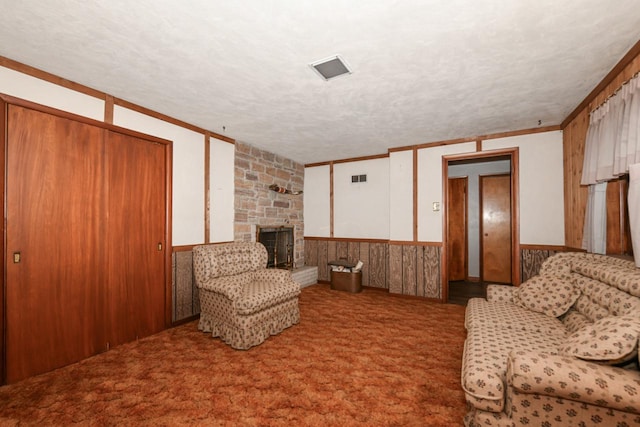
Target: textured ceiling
[{"x": 423, "y": 70}]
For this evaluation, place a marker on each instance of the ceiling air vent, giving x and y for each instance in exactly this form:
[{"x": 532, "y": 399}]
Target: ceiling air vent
[{"x": 330, "y": 68}]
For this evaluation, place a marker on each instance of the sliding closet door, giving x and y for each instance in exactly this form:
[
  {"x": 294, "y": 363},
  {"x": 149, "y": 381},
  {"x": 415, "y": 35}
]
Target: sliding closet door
[
  {"x": 55, "y": 225},
  {"x": 137, "y": 221}
]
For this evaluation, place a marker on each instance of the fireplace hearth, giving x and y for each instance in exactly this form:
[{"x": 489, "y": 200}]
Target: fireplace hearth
[{"x": 279, "y": 243}]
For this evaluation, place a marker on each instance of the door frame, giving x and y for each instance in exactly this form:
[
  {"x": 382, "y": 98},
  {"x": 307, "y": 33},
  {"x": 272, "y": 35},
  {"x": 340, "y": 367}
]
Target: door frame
[{"x": 511, "y": 154}]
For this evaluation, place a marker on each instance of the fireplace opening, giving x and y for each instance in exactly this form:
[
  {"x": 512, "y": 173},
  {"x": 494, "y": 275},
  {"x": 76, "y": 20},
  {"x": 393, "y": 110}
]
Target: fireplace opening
[{"x": 279, "y": 244}]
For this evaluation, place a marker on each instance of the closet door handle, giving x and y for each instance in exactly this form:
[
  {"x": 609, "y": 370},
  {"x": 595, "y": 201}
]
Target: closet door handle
[
  {"x": 17, "y": 257},
  {"x": 159, "y": 246}
]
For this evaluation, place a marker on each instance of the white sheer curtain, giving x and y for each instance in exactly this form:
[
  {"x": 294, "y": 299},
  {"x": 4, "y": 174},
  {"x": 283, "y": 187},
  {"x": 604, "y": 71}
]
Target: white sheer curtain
[
  {"x": 594, "y": 238},
  {"x": 612, "y": 138},
  {"x": 612, "y": 145}
]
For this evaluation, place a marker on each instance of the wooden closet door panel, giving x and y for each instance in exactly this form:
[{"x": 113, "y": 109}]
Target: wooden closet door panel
[
  {"x": 55, "y": 219},
  {"x": 137, "y": 221}
]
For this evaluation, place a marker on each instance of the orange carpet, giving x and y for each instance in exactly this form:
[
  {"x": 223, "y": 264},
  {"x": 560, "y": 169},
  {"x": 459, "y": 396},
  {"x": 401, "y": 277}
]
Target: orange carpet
[{"x": 368, "y": 359}]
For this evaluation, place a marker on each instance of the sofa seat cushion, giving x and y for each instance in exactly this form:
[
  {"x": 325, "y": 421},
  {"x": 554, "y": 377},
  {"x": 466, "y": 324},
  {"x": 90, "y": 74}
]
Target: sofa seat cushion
[
  {"x": 484, "y": 362},
  {"x": 259, "y": 295},
  {"x": 506, "y": 315},
  {"x": 573, "y": 320}
]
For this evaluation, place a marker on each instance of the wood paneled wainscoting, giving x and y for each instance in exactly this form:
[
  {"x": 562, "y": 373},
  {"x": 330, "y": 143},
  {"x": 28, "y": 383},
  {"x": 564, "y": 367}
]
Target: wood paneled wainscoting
[
  {"x": 407, "y": 268},
  {"x": 532, "y": 257},
  {"x": 186, "y": 302},
  {"x": 318, "y": 251}
]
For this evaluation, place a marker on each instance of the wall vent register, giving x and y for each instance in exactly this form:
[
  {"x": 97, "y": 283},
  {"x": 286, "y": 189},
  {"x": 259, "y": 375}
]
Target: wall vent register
[{"x": 358, "y": 178}]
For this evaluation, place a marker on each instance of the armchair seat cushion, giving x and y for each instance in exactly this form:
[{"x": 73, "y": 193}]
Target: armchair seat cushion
[{"x": 260, "y": 295}]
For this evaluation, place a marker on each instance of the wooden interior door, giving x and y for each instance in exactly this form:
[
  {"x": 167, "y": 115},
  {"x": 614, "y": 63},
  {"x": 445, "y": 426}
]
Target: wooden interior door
[
  {"x": 495, "y": 232},
  {"x": 457, "y": 253},
  {"x": 55, "y": 223},
  {"x": 137, "y": 206}
]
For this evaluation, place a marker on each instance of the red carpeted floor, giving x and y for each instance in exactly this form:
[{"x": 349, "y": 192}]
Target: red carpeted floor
[{"x": 368, "y": 359}]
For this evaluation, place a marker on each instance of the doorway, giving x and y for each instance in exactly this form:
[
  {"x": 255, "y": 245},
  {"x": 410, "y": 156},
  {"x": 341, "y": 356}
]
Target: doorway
[{"x": 494, "y": 172}]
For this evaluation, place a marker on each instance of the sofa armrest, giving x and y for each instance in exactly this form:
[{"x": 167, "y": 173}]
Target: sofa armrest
[
  {"x": 229, "y": 286},
  {"x": 574, "y": 379},
  {"x": 501, "y": 293}
]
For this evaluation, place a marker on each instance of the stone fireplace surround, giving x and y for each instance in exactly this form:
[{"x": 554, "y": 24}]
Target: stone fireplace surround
[{"x": 257, "y": 206}]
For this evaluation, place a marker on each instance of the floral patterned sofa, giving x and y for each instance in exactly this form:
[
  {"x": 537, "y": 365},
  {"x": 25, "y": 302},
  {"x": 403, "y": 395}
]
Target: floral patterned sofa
[
  {"x": 560, "y": 350},
  {"x": 241, "y": 301}
]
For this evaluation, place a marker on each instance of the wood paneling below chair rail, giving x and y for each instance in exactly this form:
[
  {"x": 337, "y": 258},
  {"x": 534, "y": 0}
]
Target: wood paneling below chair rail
[
  {"x": 532, "y": 259},
  {"x": 186, "y": 302},
  {"x": 407, "y": 268},
  {"x": 318, "y": 252}
]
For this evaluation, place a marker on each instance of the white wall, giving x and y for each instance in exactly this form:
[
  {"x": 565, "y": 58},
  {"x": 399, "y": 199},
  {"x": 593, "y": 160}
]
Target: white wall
[
  {"x": 430, "y": 188},
  {"x": 30, "y": 88},
  {"x": 221, "y": 187},
  {"x": 401, "y": 195},
  {"x": 361, "y": 210},
  {"x": 316, "y": 201},
  {"x": 381, "y": 208},
  {"x": 541, "y": 185}
]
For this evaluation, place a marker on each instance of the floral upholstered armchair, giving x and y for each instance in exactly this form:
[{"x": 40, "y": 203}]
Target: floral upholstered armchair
[{"x": 241, "y": 301}]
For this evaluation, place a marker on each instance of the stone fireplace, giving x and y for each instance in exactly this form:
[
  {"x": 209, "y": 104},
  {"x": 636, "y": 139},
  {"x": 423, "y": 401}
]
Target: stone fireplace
[
  {"x": 279, "y": 242},
  {"x": 257, "y": 206}
]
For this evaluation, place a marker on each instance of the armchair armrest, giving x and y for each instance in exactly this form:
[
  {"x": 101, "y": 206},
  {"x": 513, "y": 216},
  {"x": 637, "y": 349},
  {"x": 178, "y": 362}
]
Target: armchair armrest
[
  {"x": 229, "y": 286},
  {"x": 501, "y": 293},
  {"x": 574, "y": 379}
]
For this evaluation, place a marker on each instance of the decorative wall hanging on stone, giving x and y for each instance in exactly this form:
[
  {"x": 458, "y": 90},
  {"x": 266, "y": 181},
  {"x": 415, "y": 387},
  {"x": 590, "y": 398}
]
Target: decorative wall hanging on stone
[{"x": 278, "y": 189}]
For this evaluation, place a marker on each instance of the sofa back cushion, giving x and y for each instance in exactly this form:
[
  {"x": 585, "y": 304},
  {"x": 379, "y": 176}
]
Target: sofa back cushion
[
  {"x": 550, "y": 294},
  {"x": 612, "y": 340},
  {"x": 609, "y": 286},
  {"x": 228, "y": 259}
]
